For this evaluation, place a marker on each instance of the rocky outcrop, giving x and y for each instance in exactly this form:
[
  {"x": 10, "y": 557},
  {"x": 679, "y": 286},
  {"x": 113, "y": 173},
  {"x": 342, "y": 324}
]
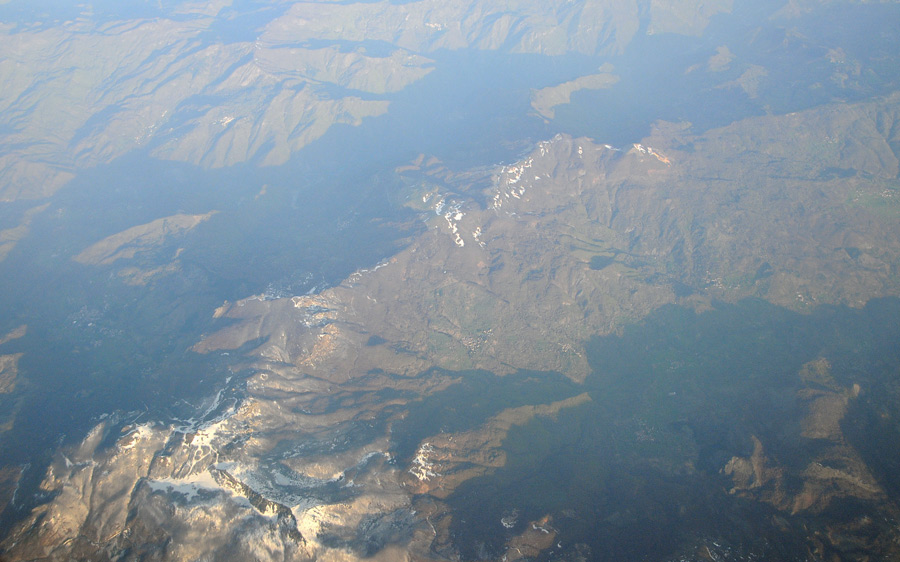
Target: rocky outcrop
[
  {"x": 9, "y": 237},
  {"x": 836, "y": 472},
  {"x": 443, "y": 462},
  {"x": 9, "y": 366},
  {"x": 9, "y": 363},
  {"x": 139, "y": 246},
  {"x": 546, "y": 99},
  {"x": 138, "y": 239}
]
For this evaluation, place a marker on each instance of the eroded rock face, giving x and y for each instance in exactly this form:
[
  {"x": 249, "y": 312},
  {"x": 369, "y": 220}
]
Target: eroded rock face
[{"x": 571, "y": 241}]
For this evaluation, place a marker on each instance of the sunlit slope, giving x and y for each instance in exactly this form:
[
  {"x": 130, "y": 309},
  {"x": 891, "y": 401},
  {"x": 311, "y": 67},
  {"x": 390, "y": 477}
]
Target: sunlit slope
[
  {"x": 574, "y": 240},
  {"x": 79, "y": 93}
]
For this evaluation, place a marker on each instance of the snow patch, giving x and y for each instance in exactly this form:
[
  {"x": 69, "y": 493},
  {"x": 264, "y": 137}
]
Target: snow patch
[
  {"x": 422, "y": 468},
  {"x": 189, "y": 487}
]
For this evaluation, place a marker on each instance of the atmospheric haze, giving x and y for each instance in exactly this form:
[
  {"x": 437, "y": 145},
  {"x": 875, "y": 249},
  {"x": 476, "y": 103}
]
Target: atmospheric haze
[{"x": 450, "y": 280}]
